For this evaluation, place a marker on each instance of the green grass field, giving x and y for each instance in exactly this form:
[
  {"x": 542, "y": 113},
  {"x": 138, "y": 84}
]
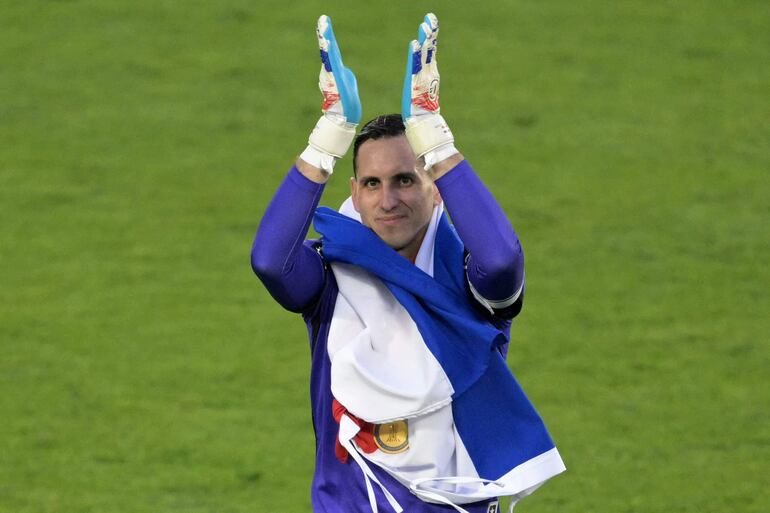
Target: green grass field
[{"x": 143, "y": 368}]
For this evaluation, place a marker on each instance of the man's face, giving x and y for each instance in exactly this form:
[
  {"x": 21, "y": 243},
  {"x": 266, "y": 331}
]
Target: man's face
[{"x": 393, "y": 199}]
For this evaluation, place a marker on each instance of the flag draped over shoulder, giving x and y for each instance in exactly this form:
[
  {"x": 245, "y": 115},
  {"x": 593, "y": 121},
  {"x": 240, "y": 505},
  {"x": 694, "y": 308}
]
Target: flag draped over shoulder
[
  {"x": 438, "y": 304},
  {"x": 496, "y": 427}
]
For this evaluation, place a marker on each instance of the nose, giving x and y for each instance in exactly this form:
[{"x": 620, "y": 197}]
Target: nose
[{"x": 390, "y": 198}]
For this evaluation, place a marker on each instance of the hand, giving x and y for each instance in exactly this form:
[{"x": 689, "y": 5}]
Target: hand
[
  {"x": 421, "y": 84},
  {"x": 336, "y": 129},
  {"x": 426, "y": 130},
  {"x": 337, "y": 83}
]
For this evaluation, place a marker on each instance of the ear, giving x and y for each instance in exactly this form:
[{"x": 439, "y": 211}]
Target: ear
[
  {"x": 436, "y": 196},
  {"x": 354, "y": 192}
]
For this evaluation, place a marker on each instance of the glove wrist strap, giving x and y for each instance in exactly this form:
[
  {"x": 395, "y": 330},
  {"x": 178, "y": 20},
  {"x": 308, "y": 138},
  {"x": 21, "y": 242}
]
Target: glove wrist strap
[
  {"x": 427, "y": 133},
  {"x": 430, "y": 137},
  {"x": 332, "y": 137},
  {"x": 318, "y": 159},
  {"x": 439, "y": 154}
]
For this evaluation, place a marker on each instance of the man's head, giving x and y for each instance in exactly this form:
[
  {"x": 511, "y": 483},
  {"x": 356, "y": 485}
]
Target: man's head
[{"x": 392, "y": 196}]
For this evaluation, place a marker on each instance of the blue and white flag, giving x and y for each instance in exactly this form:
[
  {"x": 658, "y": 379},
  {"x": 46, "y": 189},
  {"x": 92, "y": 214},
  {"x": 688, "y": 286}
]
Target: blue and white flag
[{"x": 410, "y": 354}]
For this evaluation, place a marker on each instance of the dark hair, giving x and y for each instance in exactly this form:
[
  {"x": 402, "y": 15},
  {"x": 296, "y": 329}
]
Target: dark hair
[{"x": 387, "y": 125}]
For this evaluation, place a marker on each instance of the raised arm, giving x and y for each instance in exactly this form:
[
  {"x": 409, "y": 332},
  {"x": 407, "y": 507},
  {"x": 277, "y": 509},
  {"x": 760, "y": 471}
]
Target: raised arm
[
  {"x": 292, "y": 272},
  {"x": 291, "y": 269},
  {"x": 495, "y": 262},
  {"x": 495, "y": 265}
]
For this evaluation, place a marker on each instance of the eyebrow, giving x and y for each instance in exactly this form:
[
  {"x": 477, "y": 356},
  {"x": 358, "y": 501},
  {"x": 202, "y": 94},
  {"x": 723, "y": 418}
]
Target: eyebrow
[
  {"x": 397, "y": 176},
  {"x": 405, "y": 174}
]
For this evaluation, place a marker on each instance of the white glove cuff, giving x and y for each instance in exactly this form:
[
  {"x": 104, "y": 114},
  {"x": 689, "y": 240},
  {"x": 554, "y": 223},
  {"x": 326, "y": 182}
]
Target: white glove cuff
[
  {"x": 319, "y": 159},
  {"x": 439, "y": 154},
  {"x": 332, "y": 137},
  {"x": 427, "y": 133}
]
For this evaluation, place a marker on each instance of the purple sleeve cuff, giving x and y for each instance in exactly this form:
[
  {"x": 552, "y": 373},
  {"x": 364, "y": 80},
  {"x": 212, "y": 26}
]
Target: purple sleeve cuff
[{"x": 303, "y": 182}]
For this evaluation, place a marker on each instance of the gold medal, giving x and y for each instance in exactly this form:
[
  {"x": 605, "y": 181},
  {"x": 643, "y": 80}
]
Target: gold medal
[{"x": 392, "y": 437}]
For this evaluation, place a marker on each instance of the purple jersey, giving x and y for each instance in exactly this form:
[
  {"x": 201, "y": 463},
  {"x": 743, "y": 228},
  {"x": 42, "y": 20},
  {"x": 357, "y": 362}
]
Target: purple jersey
[{"x": 297, "y": 277}]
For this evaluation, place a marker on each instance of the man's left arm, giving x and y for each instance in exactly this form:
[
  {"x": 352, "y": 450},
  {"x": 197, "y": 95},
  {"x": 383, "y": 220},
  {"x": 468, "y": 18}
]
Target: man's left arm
[{"x": 495, "y": 263}]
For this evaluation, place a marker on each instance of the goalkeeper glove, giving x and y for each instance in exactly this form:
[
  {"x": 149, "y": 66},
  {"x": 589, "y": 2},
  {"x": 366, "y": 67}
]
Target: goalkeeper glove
[
  {"x": 336, "y": 129},
  {"x": 426, "y": 130}
]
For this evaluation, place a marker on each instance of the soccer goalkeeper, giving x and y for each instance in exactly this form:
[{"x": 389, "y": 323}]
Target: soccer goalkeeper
[{"x": 409, "y": 316}]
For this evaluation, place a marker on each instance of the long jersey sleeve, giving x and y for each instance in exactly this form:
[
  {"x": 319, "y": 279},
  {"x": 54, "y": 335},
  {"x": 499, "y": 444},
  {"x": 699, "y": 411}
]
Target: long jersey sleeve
[
  {"x": 292, "y": 271},
  {"x": 495, "y": 264}
]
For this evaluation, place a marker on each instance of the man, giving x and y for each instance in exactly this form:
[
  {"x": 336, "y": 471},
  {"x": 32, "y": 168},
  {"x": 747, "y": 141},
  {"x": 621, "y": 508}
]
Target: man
[{"x": 408, "y": 317}]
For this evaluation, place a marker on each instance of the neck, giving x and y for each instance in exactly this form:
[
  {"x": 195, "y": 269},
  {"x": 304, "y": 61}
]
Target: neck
[{"x": 410, "y": 250}]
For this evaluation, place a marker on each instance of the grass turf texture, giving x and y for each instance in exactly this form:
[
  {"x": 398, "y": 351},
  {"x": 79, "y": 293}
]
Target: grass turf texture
[{"x": 142, "y": 366}]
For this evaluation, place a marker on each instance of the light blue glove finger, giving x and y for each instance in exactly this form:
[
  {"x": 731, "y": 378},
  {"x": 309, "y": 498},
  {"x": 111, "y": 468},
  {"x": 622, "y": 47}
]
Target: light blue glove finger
[
  {"x": 412, "y": 60},
  {"x": 344, "y": 77},
  {"x": 416, "y": 58},
  {"x": 426, "y": 130},
  {"x": 426, "y": 27}
]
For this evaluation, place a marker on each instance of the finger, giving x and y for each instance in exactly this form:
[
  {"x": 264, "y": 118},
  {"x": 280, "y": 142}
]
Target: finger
[
  {"x": 423, "y": 31},
  {"x": 431, "y": 21},
  {"x": 333, "y": 49},
  {"x": 323, "y": 43},
  {"x": 413, "y": 66},
  {"x": 427, "y": 28},
  {"x": 430, "y": 27},
  {"x": 343, "y": 77},
  {"x": 349, "y": 96}
]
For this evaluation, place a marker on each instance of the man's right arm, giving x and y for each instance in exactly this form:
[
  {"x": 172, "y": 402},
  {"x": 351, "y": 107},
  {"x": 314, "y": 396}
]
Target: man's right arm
[{"x": 292, "y": 272}]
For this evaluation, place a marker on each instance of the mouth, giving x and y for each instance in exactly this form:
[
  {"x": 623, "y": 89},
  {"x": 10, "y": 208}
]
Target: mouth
[{"x": 391, "y": 220}]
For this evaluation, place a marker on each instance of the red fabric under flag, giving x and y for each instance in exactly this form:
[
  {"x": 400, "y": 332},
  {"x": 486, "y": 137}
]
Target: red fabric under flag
[{"x": 364, "y": 439}]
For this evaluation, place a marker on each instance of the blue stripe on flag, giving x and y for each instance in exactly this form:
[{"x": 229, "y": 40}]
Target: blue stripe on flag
[{"x": 498, "y": 424}]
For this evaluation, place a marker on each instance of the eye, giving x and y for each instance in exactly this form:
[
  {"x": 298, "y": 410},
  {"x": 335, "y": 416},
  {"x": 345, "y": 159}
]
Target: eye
[
  {"x": 405, "y": 180},
  {"x": 371, "y": 183}
]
